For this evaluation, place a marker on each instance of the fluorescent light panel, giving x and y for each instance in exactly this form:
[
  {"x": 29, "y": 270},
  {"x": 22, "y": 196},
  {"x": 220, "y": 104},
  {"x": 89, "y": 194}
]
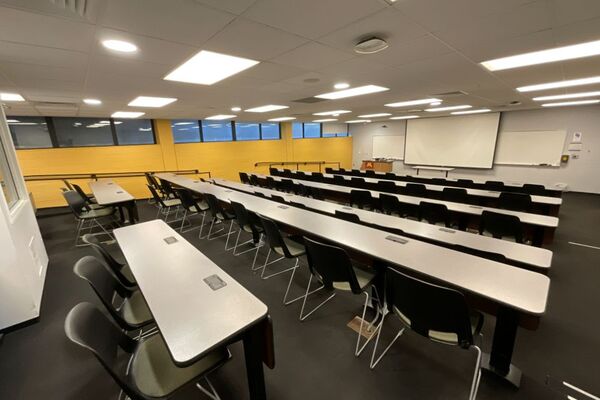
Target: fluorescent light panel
[
  {"x": 358, "y": 121},
  {"x": 11, "y": 97},
  {"x": 561, "y": 84},
  {"x": 478, "y": 111},
  {"x": 406, "y": 117},
  {"x": 545, "y": 56},
  {"x": 146, "y": 101},
  {"x": 127, "y": 114},
  {"x": 219, "y": 117},
  {"x": 439, "y": 109},
  {"x": 207, "y": 68},
  {"x": 325, "y": 120},
  {"x": 567, "y": 96},
  {"x": 375, "y": 115},
  {"x": 571, "y": 103},
  {"x": 413, "y": 102},
  {"x": 267, "y": 108},
  {"x": 280, "y": 119},
  {"x": 334, "y": 112},
  {"x": 92, "y": 102},
  {"x": 357, "y": 91}
]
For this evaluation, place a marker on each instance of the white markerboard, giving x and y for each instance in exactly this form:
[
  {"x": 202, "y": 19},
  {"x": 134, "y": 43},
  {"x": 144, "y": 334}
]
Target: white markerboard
[
  {"x": 388, "y": 147},
  {"x": 530, "y": 147}
]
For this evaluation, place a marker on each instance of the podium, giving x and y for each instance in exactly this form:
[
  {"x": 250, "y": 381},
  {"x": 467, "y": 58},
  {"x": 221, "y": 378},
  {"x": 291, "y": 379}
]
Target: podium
[{"x": 379, "y": 166}]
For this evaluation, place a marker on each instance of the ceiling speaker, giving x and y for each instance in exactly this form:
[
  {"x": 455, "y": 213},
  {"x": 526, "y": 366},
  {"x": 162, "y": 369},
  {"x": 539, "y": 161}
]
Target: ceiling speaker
[{"x": 370, "y": 46}]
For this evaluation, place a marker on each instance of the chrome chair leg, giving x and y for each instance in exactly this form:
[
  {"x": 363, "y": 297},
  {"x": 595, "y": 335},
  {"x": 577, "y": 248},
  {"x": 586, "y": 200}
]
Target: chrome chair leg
[
  {"x": 288, "y": 302},
  {"x": 358, "y": 351},
  {"x": 374, "y": 362},
  {"x": 476, "y": 375},
  {"x": 211, "y": 392},
  {"x": 302, "y": 316},
  {"x": 264, "y": 267}
]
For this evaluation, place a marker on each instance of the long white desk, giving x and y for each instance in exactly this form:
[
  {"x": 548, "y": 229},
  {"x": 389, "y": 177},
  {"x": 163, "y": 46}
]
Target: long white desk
[
  {"x": 108, "y": 193},
  {"x": 534, "y": 257},
  {"x": 193, "y": 317},
  {"x": 445, "y": 170}
]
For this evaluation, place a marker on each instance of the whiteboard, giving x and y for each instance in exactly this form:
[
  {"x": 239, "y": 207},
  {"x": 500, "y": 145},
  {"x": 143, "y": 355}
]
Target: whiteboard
[
  {"x": 530, "y": 147},
  {"x": 388, "y": 147},
  {"x": 459, "y": 141}
]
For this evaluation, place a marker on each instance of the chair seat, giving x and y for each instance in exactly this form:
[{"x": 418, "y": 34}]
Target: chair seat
[
  {"x": 126, "y": 271},
  {"x": 202, "y": 205},
  {"x": 97, "y": 213},
  {"x": 135, "y": 310},
  {"x": 172, "y": 202},
  {"x": 154, "y": 373},
  {"x": 296, "y": 249},
  {"x": 363, "y": 277},
  {"x": 248, "y": 228}
]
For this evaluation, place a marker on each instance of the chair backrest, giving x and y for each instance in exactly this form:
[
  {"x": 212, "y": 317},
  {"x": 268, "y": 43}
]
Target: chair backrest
[
  {"x": 317, "y": 176},
  {"x": 339, "y": 180},
  {"x": 428, "y": 308},
  {"x": 273, "y": 235},
  {"x": 104, "y": 284},
  {"x": 361, "y": 198},
  {"x": 465, "y": 182},
  {"x": 515, "y": 201},
  {"x": 300, "y": 174},
  {"x": 167, "y": 188},
  {"x": 370, "y": 172},
  {"x": 387, "y": 186},
  {"x": 187, "y": 200},
  {"x": 531, "y": 188},
  {"x": 271, "y": 182},
  {"x": 242, "y": 216},
  {"x": 149, "y": 180},
  {"x": 481, "y": 253},
  {"x": 79, "y": 190},
  {"x": 390, "y": 175},
  {"x": 415, "y": 189},
  {"x": 433, "y": 213},
  {"x": 455, "y": 194},
  {"x": 301, "y": 190},
  {"x": 389, "y": 204},
  {"x": 438, "y": 181},
  {"x": 287, "y": 185},
  {"x": 346, "y": 216},
  {"x": 331, "y": 263},
  {"x": 75, "y": 201},
  {"x": 244, "y": 178},
  {"x": 277, "y": 198},
  {"x": 103, "y": 252},
  {"x": 253, "y": 180},
  {"x": 357, "y": 182},
  {"x": 501, "y": 225},
  {"x": 287, "y": 172},
  {"x": 68, "y": 184},
  {"x": 299, "y": 205},
  {"x": 316, "y": 193},
  {"x": 214, "y": 207},
  {"x": 155, "y": 195},
  {"x": 273, "y": 171},
  {"x": 260, "y": 194},
  {"x": 497, "y": 186},
  {"x": 87, "y": 327},
  {"x": 328, "y": 170}
]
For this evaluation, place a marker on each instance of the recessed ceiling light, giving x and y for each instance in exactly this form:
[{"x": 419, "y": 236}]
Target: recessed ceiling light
[
  {"x": 207, "y": 68},
  {"x": 220, "y": 117},
  {"x": 281, "y": 119},
  {"x": 334, "y": 113},
  {"x": 267, "y": 108},
  {"x": 341, "y": 85},
  {"x": 560, "y": 84},
  {"x": 325, "y": 120},
  {"x": 357, "y": 91},
  {"x": 120, "y": 46},
  {"x": 146, "y": 101},
  {"x": 236, "y": 109},
  {"x": 11, "y": 97},
  {"x": 92, "y": 102},
  {"x": 571, "y": 103},
  {"x": 375, "y": 115},
  {"x": 406, "y": 117},
  {"x": 544, "y": 56},
  {"x": 439, "y": 109},
  {"x": 567, "y": 96},
  {"x": 414, "y": 103},
  {"x": 358, "y": 121},
  {"x": 478, "y": 111},
  {"x": 12, "y": 121},
  {"x": 127, "y": 114}
]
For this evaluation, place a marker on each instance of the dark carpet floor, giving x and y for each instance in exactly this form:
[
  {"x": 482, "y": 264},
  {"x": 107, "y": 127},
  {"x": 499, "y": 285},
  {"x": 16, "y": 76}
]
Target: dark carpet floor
[{"x": 315, "y": 358}]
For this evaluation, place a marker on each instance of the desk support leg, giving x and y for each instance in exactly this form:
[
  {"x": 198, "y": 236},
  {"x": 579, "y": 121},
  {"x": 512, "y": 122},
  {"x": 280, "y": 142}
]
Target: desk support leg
[
  {"x": 254, "y": 366},
  {"x": 499, "y": 360}
]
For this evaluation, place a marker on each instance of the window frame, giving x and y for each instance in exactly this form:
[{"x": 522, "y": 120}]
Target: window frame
[
  {"x": 303, "y": 132},
  {"x": 260, "y": 124},
  {"x": 231, "y": 125}
]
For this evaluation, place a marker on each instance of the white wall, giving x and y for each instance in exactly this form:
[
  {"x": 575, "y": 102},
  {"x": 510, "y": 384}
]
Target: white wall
[
  {"x": 23, "y": 257},
  {"x": 580, "y": 175}
]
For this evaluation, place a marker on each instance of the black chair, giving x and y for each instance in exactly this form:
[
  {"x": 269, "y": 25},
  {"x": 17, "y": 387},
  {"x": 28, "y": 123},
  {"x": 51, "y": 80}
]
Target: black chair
[
  {"x": 317, "y": 176},
  {"x": 164, "y": 205},
  {"x": 391, "y": 176},
  {"x": 286, "y": 248},
  {"x": 273, "y": 171},
  {"x": 316, "y": 193},
  {"x": 538, "y": 190},
  {"x": 90, "y": 201},
  {"x": 389, "y": 204},
  {"x": 361, "y": 199},
  {"x": 515, "y": 201},
  {"x": 132, "y": 313},
  {"x": 328, "y": 170},
  {"x": 501, "y": 226},
  {"x": 219, "y": 214},
  {"x": 387, "y": 187},
  {"x": 247, "y": 222},
  {"x": 271, "y": 182},
  {"x": 438, "y": 181},
  {"x": 455, "y": 195},
  {"x": 260, "y": 194},
  {"x": 253, "y": 180},
  {"x": 333, "y": 268},
  {"x": 357, "y": 182},
  {"x": 437, "y": 313},
  {"x": 434, "y": 213},
  {"x": 119, "y": 269},
  {"x": 301, "y": 190},
  {"x": 415, "y": 189},
  {"x": 191, "y": 206},
  {"x": 167, "y": 189},
  {"x": 94, "y": 218},
  {"x": 339, "y": 180},
  {"x": 150, "y": 373},
  {"x": 370, "y": 173},
  {"x": 287, "y": 185},
  {"x": 277, "y": 198},
  {"x": 68, "y": 184},
  {"x": 300, "y": 175},
  {"x": 465, "y": 182},
  {"x": 287, "y": 173},
  {"x": 346, "y": 216},
  {"x": 481, "y": 253},
  {"x": 244, "y": 178},
  {"x": 496, "y": 186},
  {"x": 298, "y": 205}
]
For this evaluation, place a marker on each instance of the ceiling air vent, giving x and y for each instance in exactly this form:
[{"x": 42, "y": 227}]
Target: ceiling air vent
[
  {"x": 451, "y": 94},
  {"x": 309, "y": 100},
  {"x": 79, "y": 7}
]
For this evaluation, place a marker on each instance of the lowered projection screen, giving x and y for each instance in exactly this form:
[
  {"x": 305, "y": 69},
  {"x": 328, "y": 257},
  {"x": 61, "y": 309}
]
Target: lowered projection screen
[{"x": 463, "y": 141}]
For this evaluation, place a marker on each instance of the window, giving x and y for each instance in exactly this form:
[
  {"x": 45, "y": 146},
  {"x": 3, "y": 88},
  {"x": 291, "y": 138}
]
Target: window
[
  {"x": 335, "y": 129},
  {"x": 312, "y": 130},
  {"x": 29, "y": 132},
  {"x": 76, "y": 132},
  {"x": 297, "y": 130},
  {"x": 270, "y": 131},
  {"x": 216, "y": 131},
  {"x": 134, "y": 131},
  {"x": 185, "y": 130},
  {"x": 6, "y": 178},
  {"x": 247, "y": 131}
]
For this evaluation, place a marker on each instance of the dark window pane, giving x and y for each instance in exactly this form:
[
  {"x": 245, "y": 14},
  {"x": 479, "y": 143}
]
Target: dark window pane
[
  {"x": 75, "y": 132},
  {"x": 185, "y": 130},
  {"x": 270, "y": 131},
  {"x": 297, "y": 130},
  {"x": 216, "y": 131},
  {"x": 247, "y": 131},
  {"x": 29, "y": 132},
  {"x": 312, "y": 130},
  {"x": 134, "y": 131}
]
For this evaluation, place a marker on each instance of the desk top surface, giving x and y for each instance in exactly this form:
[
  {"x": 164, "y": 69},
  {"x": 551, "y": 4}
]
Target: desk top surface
[
  {"x": 192, "y": 317},
  {"x": 108, "y": 192},
  {"x": 513, "y": 287}
]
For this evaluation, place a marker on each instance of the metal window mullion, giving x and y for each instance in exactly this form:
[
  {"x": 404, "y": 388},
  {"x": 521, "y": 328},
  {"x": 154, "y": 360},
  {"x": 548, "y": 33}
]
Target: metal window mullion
[
  {"x": 113, "y": 131},
  {"x": 52, "y": 131}
]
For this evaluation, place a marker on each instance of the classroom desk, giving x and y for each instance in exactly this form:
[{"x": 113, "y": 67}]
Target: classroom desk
[
  {"x": 428, "y": 168},
  {"x": 544, "y": 225},
  {"x": 108, "y": 193},
  {"x": 515, "y": 295},
  {"x": 553, "y": 203},
  {"x": 192, "y": 317}
]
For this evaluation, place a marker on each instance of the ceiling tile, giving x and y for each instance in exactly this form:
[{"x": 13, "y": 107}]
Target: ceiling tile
[
  {"x": 569, "y": 11},
  {"x": 313, "y": 56},
  {"x": 414, "y": 50},
  {"x": 29, "y": 54},
  {"x": 233, "y": 6},
  {"x": 21, "y": 74}
]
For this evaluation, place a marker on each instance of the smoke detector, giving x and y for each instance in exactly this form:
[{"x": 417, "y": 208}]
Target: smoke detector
[{"x": 370, "y": 46}]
